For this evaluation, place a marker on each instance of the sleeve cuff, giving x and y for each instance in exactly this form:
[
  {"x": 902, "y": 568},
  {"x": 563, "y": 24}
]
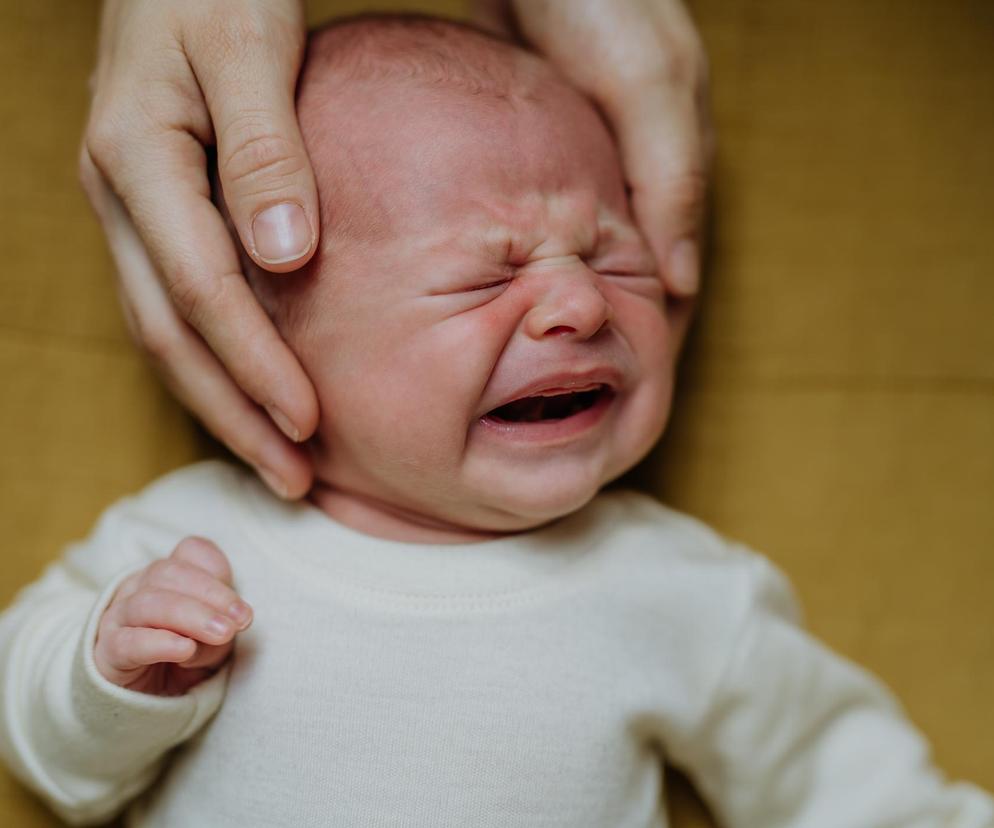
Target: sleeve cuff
[{"x": 136, "y": 727}]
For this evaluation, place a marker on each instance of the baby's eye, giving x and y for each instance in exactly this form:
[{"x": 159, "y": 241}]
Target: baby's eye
[
  {"x": 625, "y": 274},
  {"x": 643, "y": 284},
  {"x": 495, "y": 284}
]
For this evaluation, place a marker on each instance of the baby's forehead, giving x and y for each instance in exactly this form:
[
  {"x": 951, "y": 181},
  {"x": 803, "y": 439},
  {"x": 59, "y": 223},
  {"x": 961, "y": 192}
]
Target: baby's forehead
[
  {"x": 422, "y": 157},
  {"x": 409, "y": 118}
]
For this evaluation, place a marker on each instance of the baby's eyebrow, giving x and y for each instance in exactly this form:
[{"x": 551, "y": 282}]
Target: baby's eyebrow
[
  {"x": 496, "y": 242},
  {"x": 482, "y": 243}
]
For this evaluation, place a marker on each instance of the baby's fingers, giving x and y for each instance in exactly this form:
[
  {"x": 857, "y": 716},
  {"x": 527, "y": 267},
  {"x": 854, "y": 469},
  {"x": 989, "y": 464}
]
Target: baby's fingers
[
  {"x": 126, "y": 649},
  {"x": 168, "y": 610},
  {"x": 176, "y": 576}
]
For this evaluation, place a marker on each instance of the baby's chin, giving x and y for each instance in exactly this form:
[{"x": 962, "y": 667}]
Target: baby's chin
[
  {"x": 512, "y": 515},
  {"x": 462, "y": 514},
  {"x": 519, "y": 505}
]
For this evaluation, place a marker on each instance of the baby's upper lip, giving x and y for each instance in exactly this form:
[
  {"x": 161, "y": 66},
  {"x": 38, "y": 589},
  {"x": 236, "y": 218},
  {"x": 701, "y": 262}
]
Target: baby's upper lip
[{"x": 564, "y": 382}]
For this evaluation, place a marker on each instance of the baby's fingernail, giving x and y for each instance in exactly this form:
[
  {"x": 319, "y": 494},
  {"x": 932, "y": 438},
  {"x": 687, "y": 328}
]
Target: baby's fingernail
[
  {"x": 218, "y": 626},
  {"x": 682, "y": 273},
  {"x": 281, "y": 420},
  {"x": 274, "y": 481},
  {"x": 240, "y": 612},
  {"x": 281, "y": 233}
]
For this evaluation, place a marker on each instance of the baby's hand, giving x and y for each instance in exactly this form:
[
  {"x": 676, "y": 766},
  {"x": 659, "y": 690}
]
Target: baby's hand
[{"x": 172, "y": 624}]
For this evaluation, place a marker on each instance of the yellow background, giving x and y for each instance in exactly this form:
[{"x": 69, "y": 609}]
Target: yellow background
[{"x": 836, "y": 408}]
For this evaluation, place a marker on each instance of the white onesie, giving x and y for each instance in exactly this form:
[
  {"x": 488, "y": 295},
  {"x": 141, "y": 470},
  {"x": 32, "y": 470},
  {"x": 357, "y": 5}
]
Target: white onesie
[{"x": 535, "y": 680}]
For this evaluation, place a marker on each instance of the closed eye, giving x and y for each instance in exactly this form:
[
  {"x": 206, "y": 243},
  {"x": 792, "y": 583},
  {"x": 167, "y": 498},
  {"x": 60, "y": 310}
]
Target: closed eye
[
  {"x": 621, "y": 274},
  {"x": 483, "y": 287},
  {"x": 643, "y": 284},
  {"x": 488, "y": 285}
]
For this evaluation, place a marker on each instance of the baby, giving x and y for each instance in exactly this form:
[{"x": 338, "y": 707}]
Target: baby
[{"x": 457, "y": 629}]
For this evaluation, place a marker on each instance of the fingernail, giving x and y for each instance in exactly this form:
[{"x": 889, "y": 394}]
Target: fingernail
[
  {"x": 281, "y": 233},
  {"x": 281, "y": 420},
  {"x": 683, "y": 272},
  {"x": 218, "y": 626},
  {"x": 240, "y": 612},
  {"x": 274, "y": 481}
]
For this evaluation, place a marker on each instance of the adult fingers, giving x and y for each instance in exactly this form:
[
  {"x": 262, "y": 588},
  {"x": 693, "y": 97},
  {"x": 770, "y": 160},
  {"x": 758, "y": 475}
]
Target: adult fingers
[
  {"x": 192, "y": 371},
  {"x": 665, "y": 155},
  {"x": 169, "y": 201},
  {"x": 643, "y": 64},
  {"x": 146, "y": 135},
  {"x": 247, "y": 67}
]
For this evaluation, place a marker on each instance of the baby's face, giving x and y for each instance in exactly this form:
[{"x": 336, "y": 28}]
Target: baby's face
[{"x": 496, "y": 348}]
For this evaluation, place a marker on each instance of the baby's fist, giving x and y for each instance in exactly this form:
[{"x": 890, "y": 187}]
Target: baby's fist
[{"x": 172, "y": 624}]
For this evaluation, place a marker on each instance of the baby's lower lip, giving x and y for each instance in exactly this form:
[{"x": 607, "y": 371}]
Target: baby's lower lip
[{"x": 551, "y": 432}]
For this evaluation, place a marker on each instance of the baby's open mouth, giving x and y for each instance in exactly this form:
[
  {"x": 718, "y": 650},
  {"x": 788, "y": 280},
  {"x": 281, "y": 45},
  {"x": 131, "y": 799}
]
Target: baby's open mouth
[{"x": 549, "y": 407}]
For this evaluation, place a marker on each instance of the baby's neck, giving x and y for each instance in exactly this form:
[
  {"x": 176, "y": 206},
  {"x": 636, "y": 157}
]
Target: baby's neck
[{"x": 385, "y": 520}]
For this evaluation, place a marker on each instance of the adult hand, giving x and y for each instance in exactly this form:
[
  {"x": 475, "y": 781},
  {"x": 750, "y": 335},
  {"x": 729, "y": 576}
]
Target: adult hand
[
  {"x": 171, "y": 79},
  {"x": 643, "y": 64}
]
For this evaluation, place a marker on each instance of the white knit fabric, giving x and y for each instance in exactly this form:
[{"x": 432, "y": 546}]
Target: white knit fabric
[{"x": 536, "y": 680}]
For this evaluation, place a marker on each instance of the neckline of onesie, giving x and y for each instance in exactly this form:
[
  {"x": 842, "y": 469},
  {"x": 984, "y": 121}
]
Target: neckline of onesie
[{"x": 507, "y": 569}]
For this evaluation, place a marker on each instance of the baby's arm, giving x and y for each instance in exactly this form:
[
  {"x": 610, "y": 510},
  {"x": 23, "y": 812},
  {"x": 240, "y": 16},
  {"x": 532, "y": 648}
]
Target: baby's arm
[
  {"x": 70, "y": 728},
  {"x": 797, "y": 736}
]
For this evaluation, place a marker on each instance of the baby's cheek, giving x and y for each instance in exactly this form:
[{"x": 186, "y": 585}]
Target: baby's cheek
[
  {"x": 639, "y": 314},
  {"x": 492, "y": 324},
  {"x": 467, "y": 347},
  {"x": 477, "y": 337}
]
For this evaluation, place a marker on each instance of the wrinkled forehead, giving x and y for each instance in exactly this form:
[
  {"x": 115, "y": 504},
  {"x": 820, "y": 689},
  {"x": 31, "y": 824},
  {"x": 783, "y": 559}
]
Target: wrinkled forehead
[{"x": 411, "y": 159}]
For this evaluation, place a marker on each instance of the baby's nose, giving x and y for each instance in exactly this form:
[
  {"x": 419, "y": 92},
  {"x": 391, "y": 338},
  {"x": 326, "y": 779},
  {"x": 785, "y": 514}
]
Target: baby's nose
[{"x": 567, "y": 302}]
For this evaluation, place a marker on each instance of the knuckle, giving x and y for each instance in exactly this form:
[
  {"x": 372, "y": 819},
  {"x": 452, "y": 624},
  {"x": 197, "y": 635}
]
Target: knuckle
[
  {"x": 258, "y": 159},
  {"x": 688, "y": 189},
  {"x": 158, "y": 335},
  {"x": 193, "y": 295},
  {"x": 103, "y": 141},
  {"x": 675, "y": 62},
  {"x": 89, "y": 177},
  {"x": 163, "y": 571}
]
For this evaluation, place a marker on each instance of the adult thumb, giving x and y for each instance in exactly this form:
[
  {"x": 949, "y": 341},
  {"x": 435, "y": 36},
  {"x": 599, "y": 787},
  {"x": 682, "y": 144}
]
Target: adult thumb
[{"x": 265, "y": 173}]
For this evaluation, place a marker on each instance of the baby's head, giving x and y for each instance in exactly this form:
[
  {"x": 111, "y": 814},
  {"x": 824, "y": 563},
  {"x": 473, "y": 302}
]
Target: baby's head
[{"x": 483, "y": 323}]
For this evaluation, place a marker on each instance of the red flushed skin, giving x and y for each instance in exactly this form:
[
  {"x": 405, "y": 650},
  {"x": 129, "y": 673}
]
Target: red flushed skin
[{"x": 503, "y": 257}]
